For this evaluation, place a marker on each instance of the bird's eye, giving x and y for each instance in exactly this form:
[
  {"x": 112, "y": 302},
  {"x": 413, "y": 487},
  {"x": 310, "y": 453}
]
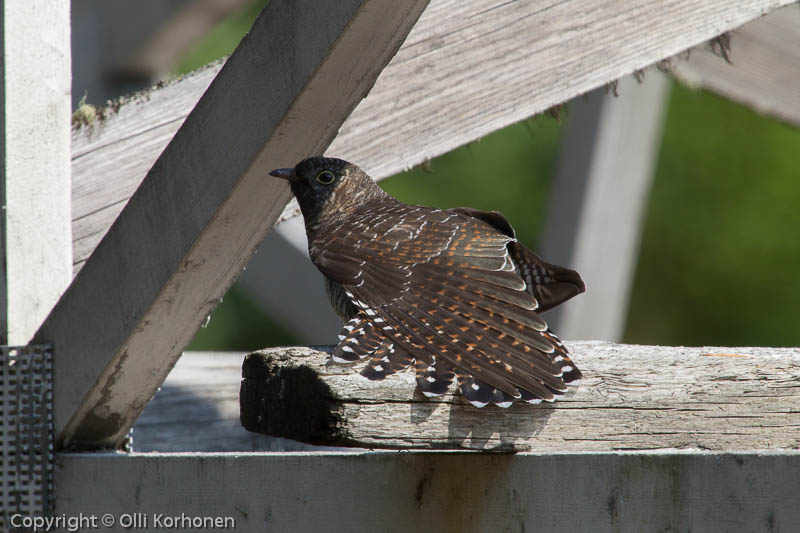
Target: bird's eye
[{"x": 325, "y": 177}]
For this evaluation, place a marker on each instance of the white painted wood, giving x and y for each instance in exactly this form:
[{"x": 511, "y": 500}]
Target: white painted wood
[
  {"x": 205, "y": 205},
  {"x": 36, "y": 239},
  {"x": 598, "y": 199},
  {"x": 766, "y": 66},
  {"x": 631, "y": 398},
  {"x": 467, "y": 69},
  {"x": 473, "y": 492}
]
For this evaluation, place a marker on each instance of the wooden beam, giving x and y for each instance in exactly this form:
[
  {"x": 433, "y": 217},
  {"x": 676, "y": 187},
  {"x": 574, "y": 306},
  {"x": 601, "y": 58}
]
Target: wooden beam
[
  {"x": 598, "y": 199},
  {"x": 467, "y": 69},
  {"x": 143, "y": 124},
  {"x": 465, "y": 492},
  {"x": 632, "y": 398},
  {"x": 205, "y": 205},
  {"x": 764, "y": 68},
  {"x": 35, "y": 229}
]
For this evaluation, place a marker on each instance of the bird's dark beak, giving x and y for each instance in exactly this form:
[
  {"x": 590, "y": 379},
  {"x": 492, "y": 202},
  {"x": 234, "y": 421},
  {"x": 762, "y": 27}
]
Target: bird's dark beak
[{"x": 287, "y": 174}]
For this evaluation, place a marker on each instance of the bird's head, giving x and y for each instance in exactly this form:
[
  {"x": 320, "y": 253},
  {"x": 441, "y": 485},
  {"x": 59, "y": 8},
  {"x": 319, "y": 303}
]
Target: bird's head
[{"x": 328, "y": 187}]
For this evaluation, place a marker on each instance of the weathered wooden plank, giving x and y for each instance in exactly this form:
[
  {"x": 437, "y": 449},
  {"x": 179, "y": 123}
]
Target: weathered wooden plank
[
  {"x": 467, "y": 68},
  {"x": 764, "y": 68},
  {"x": 605, "y": 170},
  {"x": 632, "y": 398},
  {"x": 126, "y": 143},
  {"x": 206, "y": 204},
  {"x": 464, "y": 492},
  {"x": 35, "y": 234}
]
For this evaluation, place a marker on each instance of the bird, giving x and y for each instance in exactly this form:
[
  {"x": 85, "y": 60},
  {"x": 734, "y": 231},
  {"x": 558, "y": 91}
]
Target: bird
[{"x": 450, "y": 291}]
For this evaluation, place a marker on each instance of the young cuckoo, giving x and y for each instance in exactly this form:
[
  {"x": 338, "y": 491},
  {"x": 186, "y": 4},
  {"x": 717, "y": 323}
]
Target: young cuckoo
[{"x": 451, "y": 291}]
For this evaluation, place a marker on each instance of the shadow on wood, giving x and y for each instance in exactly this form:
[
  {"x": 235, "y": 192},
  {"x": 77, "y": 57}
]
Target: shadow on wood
[
  {"x": 197, "y": 410},
  {"x": 496, "y": 429},
  {"x": 184, "y": 419},
  {"x": 284, "y": 399},
  {"x": 296, "y": 393}
]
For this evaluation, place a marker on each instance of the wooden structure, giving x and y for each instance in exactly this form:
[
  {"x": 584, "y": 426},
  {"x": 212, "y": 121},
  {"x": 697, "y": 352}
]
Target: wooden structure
[
  {"x": 170, "y": 200},
  {"x": 765, "y": 65},
  {"x": 633, "y": 398}
]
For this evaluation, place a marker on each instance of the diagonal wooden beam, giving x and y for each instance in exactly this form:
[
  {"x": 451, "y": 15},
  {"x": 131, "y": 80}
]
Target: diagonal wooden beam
[
  {"x": 763, "y": 70},
  {"x": 468, "y": 68},
  {"x": 189, "y": 229}
]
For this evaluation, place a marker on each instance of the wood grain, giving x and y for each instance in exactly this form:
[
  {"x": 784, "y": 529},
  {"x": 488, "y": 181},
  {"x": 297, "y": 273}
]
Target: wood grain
[
  {"x": 207, "y": 202},
  {"x": 35, "y": 234},
  {"x": 468, "y": 68},
  {"x": 601, "y": 492},
  {"x": 107, "y": 154},
  {"x": 632, "y": 398}
]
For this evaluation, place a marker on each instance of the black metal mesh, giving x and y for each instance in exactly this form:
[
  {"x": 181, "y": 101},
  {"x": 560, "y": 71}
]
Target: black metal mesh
[{"x": 26, "y": 431}]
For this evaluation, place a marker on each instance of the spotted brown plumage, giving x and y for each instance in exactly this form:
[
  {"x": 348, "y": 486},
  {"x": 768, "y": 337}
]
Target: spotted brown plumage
[{"x": 451, "y": 292}]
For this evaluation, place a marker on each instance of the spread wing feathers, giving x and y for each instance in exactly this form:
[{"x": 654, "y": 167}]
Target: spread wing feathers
[
  {"x": 443, "y": 288},
  {"x": 480, "y": 394},
  {"x": 358, "y": 339},
  {"x": 549, "y": 284},
  {"x": 501, "y": 361},
  {"x": 434, "y": 378},
  {"x": 561, "y": 357},
  {"x": 387, "y": 360}
]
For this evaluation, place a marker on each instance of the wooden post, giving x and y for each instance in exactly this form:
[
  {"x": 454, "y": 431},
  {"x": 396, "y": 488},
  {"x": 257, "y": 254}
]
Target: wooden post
[
  {"x": 36, "y": 235},
  {"x": 205, "y": 205},
  {"x": 598, "y": 199}
]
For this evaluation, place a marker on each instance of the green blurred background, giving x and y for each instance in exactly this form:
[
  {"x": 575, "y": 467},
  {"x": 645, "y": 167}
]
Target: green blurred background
[{"x": 720, "y": 251}]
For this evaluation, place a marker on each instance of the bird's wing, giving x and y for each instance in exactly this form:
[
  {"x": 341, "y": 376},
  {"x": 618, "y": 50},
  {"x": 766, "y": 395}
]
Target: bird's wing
[
  {"x": 443, "y": 287},
  {"x": 360, "y": 338},
  {"x": 550, "y": 284}
]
